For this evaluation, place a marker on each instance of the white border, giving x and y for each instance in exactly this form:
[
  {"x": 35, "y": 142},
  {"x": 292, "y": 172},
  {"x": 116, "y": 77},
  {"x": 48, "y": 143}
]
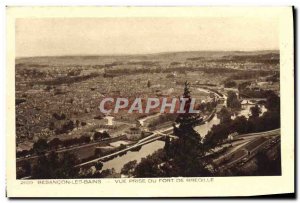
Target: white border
[{"x": 276, "y": 183}]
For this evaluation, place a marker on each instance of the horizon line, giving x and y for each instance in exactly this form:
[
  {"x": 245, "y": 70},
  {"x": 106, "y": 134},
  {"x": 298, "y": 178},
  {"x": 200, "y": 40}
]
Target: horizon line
[{"x": 141, "y": 54}]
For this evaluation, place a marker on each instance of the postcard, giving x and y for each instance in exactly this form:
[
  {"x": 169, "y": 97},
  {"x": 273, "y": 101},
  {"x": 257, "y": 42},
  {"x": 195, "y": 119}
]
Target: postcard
[{"x": 150, "y": 101}]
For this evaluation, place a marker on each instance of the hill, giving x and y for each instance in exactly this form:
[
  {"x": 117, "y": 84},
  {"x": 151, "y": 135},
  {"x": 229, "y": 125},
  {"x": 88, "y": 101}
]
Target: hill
[{"x": 45, "y": 61}]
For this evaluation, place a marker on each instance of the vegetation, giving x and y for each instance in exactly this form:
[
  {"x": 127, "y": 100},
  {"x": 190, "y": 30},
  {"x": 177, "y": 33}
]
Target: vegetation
[
  {"x": 66, "y": 127},
  {"x": 99, "y": 165},
  {"x": 180, "y": 157},
  {"x": 257, "y": 93},
  {"x": 52, "y": 166},
  {"x": 224, "y": 115},
  {"x": 270, "y": 58},
  {"x": 255, "y": 111},
  {"x": 40, "y": 146},
  {"x": 243, "y": 85},
  {"x": 98, "y": 174},
  {"x": 101, "y": 136},
  {"x": 207, "y": 106},
  {"x": 249, "y": 74},
  {"x": 264, "y": 165},
  {"x": 185, "y": 156},
  {"x": 241, "y": 74},
  {"x": 233, "y": 101},
  {"x": 66, "y": 79},
  {"x": 267, "y": 166},
  {"x": 274, "y": 78},
  {"x": 268, "y": 121},
  {"x": 25, "y": 170},
  {"x": 230, "y": 84},
  {"x": 46, "y": 85},
  {"x": 128, "y": 168},
  {"x": 148, "y": 84},
  {"x": 161, "y": 119}
]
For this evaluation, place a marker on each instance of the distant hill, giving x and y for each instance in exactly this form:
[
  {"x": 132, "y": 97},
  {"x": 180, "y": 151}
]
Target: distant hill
[{"x": 45, "y": 61}]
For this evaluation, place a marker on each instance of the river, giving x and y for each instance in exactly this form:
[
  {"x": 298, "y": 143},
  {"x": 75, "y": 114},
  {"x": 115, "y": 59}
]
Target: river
[
  {"x": 245, "y": 111},
  {"x": 118, "y": 162}
]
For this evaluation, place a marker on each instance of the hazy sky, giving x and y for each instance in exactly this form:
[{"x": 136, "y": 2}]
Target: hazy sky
[{"x": 75, "y": 36}]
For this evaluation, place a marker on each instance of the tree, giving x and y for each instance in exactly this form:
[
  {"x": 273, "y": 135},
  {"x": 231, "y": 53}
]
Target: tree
[
  {"x": 74, "y": 72},
  {"x": 148, "y": 84},
  {"x": 27, "y": 168},
  {"x": 122, "y": 146},
  {"x": 150, "y": 166},
  {"x": 232, "y": 100},
  {"x": 186, "y": 119},
  {"x": 99, "y": 135},
  {"x": 224, "y": 115},
  {"x": 240, "y": 125},
  {"x": 266, "y": 166},
  {"x": 243, "y": 85},
  {"x": 99, "y": 165},
  {"x": 53, "y": 167},
  {"x": 128, "y": 168},
  {"x": 167, "y": 143},
  {"x": 59, "y": 117},
  {"x": 216, "y": 135},
  {"x": 273, "y": 102},
  {"x": 99, "y": 174},
  {"x": 230, "y": 84},
  {"x": 54, "y": 143},
  {"x": 180, "y": 157},
  {"x": 51, "y": 126},
  {"x": 77, "y": 123},
  {"x": 255, "y": 111},
  {"x": 84, "y": 139},
  {"x": 40, "y": 146}
]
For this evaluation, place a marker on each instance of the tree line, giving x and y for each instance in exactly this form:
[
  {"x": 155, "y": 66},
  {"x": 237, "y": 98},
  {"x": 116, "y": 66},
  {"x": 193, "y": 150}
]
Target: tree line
[
  {"x": 42, "y": 145},
  {"x": 268, "y": 121},
  {"x": 114, "y": 72}
]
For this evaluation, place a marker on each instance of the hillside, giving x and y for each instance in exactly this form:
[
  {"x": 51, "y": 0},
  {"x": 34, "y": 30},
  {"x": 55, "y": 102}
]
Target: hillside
[{"x": 45, "y": 61}]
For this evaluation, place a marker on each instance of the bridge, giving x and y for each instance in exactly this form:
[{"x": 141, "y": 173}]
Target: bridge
[
  {"x": 251, "y": 101},
  {"x": 156, "y": 136}
]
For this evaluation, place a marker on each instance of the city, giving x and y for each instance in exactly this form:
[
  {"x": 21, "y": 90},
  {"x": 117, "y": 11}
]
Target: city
[{"x": 61, "y": 133}]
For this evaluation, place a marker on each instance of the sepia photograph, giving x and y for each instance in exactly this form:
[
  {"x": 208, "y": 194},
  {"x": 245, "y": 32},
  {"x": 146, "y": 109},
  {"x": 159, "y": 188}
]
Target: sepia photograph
[{"x": 148, "y": 97}]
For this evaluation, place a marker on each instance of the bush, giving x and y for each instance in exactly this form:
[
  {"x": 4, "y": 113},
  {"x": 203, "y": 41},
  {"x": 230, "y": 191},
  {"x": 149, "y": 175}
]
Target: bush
[
  {"x": 40, "y": 146},
  {"x": 230, "y": 84}
]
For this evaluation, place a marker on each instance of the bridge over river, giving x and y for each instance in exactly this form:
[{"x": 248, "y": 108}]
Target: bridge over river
[{"x": 155, "y": 136}]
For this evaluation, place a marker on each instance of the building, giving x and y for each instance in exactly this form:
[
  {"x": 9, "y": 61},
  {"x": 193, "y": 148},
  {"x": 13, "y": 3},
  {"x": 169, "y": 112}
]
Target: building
[
  {"x": 232, "y": 136},
  {"x": 254, "y": 146},
  {"x": 246, "y": 102},
  {"x": 109, "y": 120},
  {"x": 133, "y": 133}
]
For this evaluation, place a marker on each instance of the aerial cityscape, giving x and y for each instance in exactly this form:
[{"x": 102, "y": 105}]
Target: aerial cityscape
[
  {"x": 112, "y": 102},
  {"x": 58, "y": 116}
]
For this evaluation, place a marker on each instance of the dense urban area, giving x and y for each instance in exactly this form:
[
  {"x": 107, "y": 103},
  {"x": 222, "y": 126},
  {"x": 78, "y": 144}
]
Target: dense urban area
[{"x": 61, "y": 133}]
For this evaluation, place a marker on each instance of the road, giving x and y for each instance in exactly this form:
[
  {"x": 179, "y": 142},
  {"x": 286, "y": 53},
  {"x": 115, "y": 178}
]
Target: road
[
  {"x": 158, "y": 134},
  {"x": 71, "y": 148}
]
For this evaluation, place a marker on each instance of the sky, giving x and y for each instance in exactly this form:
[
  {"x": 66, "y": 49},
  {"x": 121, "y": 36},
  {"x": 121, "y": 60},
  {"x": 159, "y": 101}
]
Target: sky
[{"x": 110, "y": 36}]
